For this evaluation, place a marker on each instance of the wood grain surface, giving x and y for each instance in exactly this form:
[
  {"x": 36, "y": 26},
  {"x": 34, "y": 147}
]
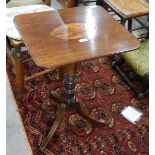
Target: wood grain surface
[
  {"x": 66, "y": 36},
  {"x": 129, "y": 8}
]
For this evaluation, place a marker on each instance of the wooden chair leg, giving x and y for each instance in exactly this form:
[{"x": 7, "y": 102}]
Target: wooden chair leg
[
  {"x": 47, "y": 2},
  {"x": 19, "y": 72},
  {"x": 145, "y": 80},
  {"x": 130, "y": 24},
  {"x": 102, "y": 3},
  {"x": 76, "y": 3},
  {"x": 70, "y": 3},
  {"x": 123, "y": 21}
]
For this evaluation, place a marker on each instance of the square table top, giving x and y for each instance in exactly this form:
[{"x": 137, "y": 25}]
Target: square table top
[
  {"x": 60, "y": 37},
  {"x": 129, "y": 8}
]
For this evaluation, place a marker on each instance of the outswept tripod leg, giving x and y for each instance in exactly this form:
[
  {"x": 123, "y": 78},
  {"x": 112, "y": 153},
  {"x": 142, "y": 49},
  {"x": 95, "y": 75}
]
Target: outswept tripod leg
[
  {"x": 59, "y": 117},
  {"x": 82, "y": 111}
]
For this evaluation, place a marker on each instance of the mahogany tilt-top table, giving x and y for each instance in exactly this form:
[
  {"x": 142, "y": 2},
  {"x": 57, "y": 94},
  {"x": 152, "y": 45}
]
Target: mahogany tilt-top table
[{"x": 67, "y": 36}]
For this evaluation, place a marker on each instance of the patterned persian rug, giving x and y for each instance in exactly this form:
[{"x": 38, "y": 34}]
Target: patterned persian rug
[{"x": 98, "y": 87}]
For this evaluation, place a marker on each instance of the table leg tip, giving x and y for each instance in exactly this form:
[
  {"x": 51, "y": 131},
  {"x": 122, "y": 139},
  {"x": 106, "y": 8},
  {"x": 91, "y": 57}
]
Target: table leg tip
[{"x": 42, "y": 147}]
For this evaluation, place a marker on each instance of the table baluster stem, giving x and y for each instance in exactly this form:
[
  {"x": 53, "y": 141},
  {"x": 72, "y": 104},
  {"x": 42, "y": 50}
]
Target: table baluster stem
[{"x": 68, "y": 99}]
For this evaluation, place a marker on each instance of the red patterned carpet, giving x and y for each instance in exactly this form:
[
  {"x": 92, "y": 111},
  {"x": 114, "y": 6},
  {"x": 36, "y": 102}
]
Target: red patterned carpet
[{"x": 99, "y": 88}]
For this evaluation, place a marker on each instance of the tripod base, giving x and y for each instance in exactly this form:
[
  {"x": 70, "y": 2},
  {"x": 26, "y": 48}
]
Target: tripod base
[{"x": 68, "y": 100}]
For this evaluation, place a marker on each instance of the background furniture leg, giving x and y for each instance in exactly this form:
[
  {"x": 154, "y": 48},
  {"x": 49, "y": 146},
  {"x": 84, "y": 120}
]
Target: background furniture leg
[
  {"x": 76, "y": 2},
  {"x": 123, "y": 21},
  {"x": 70, "y": 3},
  {"x": 130, "y": 24},
  {"x": 19, "y": 72},
  {"x": 145, "y": 80},
  {"x": 139, "y": 94},
  {"x": 47, "y": 2},
  {"x": 102, "y": 3}
]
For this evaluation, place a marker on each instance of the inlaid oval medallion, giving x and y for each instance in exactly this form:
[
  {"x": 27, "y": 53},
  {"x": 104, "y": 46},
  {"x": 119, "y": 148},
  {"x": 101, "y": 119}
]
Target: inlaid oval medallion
[{"x": 74, "y": 31}]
